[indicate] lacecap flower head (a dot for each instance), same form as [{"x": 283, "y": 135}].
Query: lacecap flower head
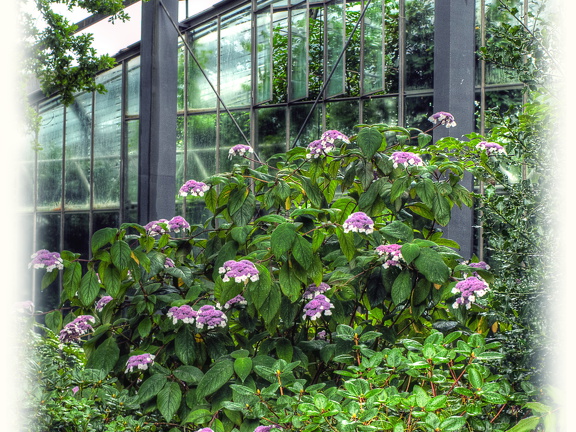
[
  {"x": 239, "y": 150},
  {"x": 313, "y": 290},
  {"x": 319, "y": 148},
  {"x": 241, "y": 271},
  {"x": 210, "y": 317},
  {"x": 76, "y": 328},
  {"x": 153, "y": 228},
  {"x": 265, "y": 428},
  {"x": 393, "y": 254},
  {"x": 178, "y": 223},
  {"x": 491, "y": 148},
  {"x": 358, "y": 222},
  {"x": 238, "y": 300},
  {"x": 183, "y": 313},
  {"x": 103, "y": 302},
  {"x": 332, "y": 135},
  {"x": 141, "y": 361},
  {"x": 46, "y": 259},
  {"x": 469, "y": 288},
  {"x": 406, "y": 159},
  {"x": 317, "y": 306},
  {"x": 444, "y": 118},
  {"x": 194, "y": 188}
]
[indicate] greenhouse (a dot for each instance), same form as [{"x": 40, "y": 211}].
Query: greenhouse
[{"x": 271, "y": 196}]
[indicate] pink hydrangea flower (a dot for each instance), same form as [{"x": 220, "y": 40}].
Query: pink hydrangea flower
[
  {"x": 444, "y": 118},
  {"x": 319, "y": 148},
  {"x": 103, "y": 302},
  {"x": 491, "y": 148},
  {"x": 183, "y": 313},
  {"x": 178, "y": 223},
  {"x": 141, "y": 362},
  {"x": 241, "y": 271},
  {"x": 332, "y": 135},
  {"x": 46, "y": 259},
  {"x": 358, "y": 222},
  {"x": 154, "y": 228},
  {"x": 193, "y": 188},
  {"x": 469, "y": 288},
  {"x": 239, "y": 150},
  {"x": 393, "y": 254},
  {"x": 238, "y": 300},
  {"x": 210, "y": 317},
  {"x": 318, "y": 306},
  {"x": 76, "y": 328},
  {"x": 406, "y": 159},
  {"x": 313, "y": 290}
]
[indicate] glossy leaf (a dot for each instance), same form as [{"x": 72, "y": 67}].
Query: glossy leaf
[
  {"x": 215, "y": 378},
  {"x": 169, "y": 399}
]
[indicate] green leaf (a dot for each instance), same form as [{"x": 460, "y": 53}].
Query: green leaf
[
  {"x": 454, "y": 423},
  {"x": 260, "y": 289},
  {"x": 282, "y": 239},
  {"x": 211, "y": 199},
  {"x": 402, "y": 287},
  {"x": 105, "y": 356},
  {"x": 199, "y": 416},
  {"x": 346, "y": 241},
  {"x": 151, "y": 387},
  {"x": 423, "y": 139},
  {"x": 245, "y": 213},
  {"x": 538, "y": 407},
  {"x": 72, "y": 277},
  {"x": 144, "y": 327},
  {"x": 289, "y": 283},
  {"x": 525, "y": 425},
  {"x": 169, "y": 399},
  {"x": 302, "y": 252},
  {"x": 89, "y": 288},
  {"x": 236, "y": 199},
  {"x": 102, "y": 237},
  {"x": 409, "y": 252},
  {"x": 431, "y": 265},
  {"x": 441, "y": 209},
  {"x": 243, "y": 367},
  {"x": 399, "y": 186},
  {"x": 421, "y": 210},
  {"x": 120, "y": 253},
  {"x": 48, "y": 278},
  {"x": 215, "y": 378},
  {"x": 494, "y": 398},
  {"x": 189, "y": 374},
  {"x": 436, "y": 403},
  {"x": 269, "y": 309},
  {"x": 421, "y": 291},
  {"x": 53, "y": 321},
  {"x": 284, "y": 349},
  {"x": 185, "y": 345},
  {"x": 398, "y": 231},
  {"x": 475, "y": 377},
  {"x": 111, "y": 280},
  {"x": 313, "y": 192},
  {"x": 426, "y": 191},
  {"x": 369, "y": 140}
]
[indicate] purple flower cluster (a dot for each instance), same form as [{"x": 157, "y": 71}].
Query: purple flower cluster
[
  {"x": 444, "y": 118},
  {"x": 103, "y": 302},
  {"x": 194, "y": 188},
  {"x": 480, "y": 265},
  {"x": 314, "y": 309},
  {"x": 393, "y": 254},
  {"x": 44, "y": 258},
  {"x": 406, "y": 159},
  {"x": 469, "y": 288},
  {"x": 241, "y": 271},
  {"x": 321, "y": 335},
  {"x": 359, "y": 222},
  {"x": 205, "y": 430},
  {"x": 176, "y": 224},
  {"x": 139, "y": 362},
  {"x": 76, "y": 328},
  {"x": 210, "y": 317},
  {"x": 238, "y": 300},
  {"x": 265, "y": 428},
  {"x": 239, "y": 150},
  {"x": 25, "y": 307},
  {"x": 325, "y": 144},
  {"x": 183, "y": 313},
  {"x": 313, "y": 290},
  {"x": 491, "y": 148}
]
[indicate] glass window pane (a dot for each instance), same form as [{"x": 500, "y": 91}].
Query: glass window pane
[
  {"x": 391, "y": 46},
  {"x": 27, "y": 178},
  {"x": 271, "y": 132},
  {"x": 131, "y": 194},
  {"x": 280, "y": 57},
  {"x": 336, "y": 39},
  {"x": 311, "y": 131},
  {"x": 235, "y": 58},
  {"x": 264, "y": 57},
  {"x": 204, "y": 44},
  {"x": 298, "y": 53},
  {"x": 201, "y": 149},
  {"x": 419, "y": 44},
  {"x": 181, "y": 70},
  {"x": 381, "y": 110},
  {"x": 78, "y": 150},
  {"x": 50, "y": 138},
  {"x": 107, "y": 140},
  {"x": 342, "y": 116},
  {"x": 373, "y": 50},
  {"x": 105, "y": 220},
  {"x": 77, "y": 233},
  {"x": 133, "y": 87},
  {"x": 418, "y": 109}
]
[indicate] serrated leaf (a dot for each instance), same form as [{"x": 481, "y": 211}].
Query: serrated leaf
[
  {"x": 398, "y": 231},
  {"x": 289, "y": 283},
  {"x": 89, "y": 288},
  {"x": 185, "y": 345},
  {"x": 441, "y": 209},
  {"x": 111, "y": 280},
  {"x": 282, "y": 239},
  {"x": 525, "y": 425},
  {"x": 402, "y": 287},
  {"x": 169, "y": 399},
  {"x": 120, "y": 253},
  {"x": 346, "y": 241},
  {"x": 302, "y": 252},
  {"x": 102, "y": 237},
  {"x": 211, "y": 199},
  {"x": 243, "y": 367},
  {"x": 369, "y": 140},
  {"x": 144, "y": 327},
  {"x": 188, "y": 374},
  {"x": 198, "y": 416},
  {"x": 105, "y": 356},
  {"x": 453, "y": 424},
  {"x": 245, "y": 213},
  {"x": 151, "y": 386},
  {"x": 399, "y": 187},
  {"x": 71, "y": 279},
  {"x": 218, "y": 375},
  {"x": 409, "y": 252},
  {"x": 475, "y": 377},
  {"x": 48, "y": 278},
  {"x": 431, "y": 265},
  {"x": 236, "y": 199},
  {"x": 260, "y": 289},
  {"x": 538, "y": 407},
  {"x": 53, "y": 321}
]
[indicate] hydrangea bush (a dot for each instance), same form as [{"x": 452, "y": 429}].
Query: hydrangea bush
[{"x": 326, "y": 266}]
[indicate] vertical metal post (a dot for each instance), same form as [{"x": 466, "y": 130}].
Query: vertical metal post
[
  {"x": 454, "y": 65},
  {"x": 158, "y": 108}
]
